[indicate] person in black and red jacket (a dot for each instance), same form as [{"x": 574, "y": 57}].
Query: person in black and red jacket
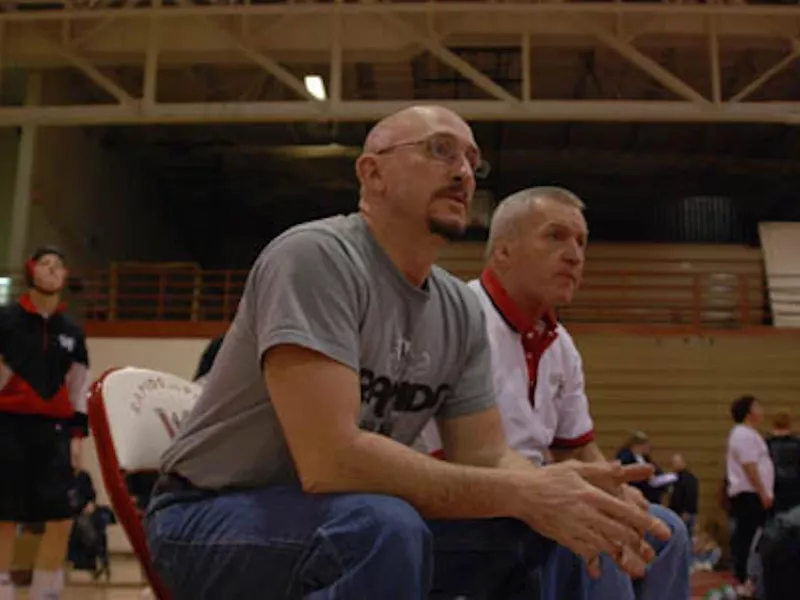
[{"x": 44, "y": 370}]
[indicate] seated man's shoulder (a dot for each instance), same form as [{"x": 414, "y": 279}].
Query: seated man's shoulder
[
  {"x": 327, "y": 233},
  {"x": 457, "y": 292},
  {"x": 332, "y": 234}
]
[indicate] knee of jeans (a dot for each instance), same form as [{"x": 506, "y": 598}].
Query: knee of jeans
[
  {"x": 680, "y": 534},
  {"x": 396, "y": 521}
]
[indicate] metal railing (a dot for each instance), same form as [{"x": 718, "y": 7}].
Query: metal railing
[
  {"x": 184, "y": 292},
  {"x": 700, "y": 300}
]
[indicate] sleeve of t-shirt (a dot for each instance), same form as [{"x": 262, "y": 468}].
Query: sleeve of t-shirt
[
  {"x": 575, "y": 427},
  {"x": 746, "y": 446},
  {"x": 475, "y": 389},
  {"x": 303, "y": 292}
]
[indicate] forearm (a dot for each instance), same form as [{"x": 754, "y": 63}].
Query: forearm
[
  {"x": 77, "y": 381},
  {"x": 513, "y": 460},
  {"x": 587, "y": 453},
  {"x": 438, "y": 489},
  {"x": 752, "y": 474}
]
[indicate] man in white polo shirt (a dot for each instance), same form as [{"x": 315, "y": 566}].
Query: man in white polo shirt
[
  {"x": 751, "y": 478},
  {"x": 535, "y": 263}
]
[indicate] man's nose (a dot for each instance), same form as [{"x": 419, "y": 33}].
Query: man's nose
[
  {"x": 574, "y": 254},
  {"x": 464, "y": 171}
]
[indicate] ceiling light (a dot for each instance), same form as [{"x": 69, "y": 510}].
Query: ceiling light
[{"x": 315, "y": 86}]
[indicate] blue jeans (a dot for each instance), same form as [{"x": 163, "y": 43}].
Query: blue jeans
[
  {"x": 281, "y": 543},
  {"x": 667, "y": 577}
]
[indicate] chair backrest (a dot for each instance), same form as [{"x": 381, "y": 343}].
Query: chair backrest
[{"x": 133, "y": 414}]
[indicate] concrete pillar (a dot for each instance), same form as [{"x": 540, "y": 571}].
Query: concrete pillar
[{"x": 20, "y": 209}]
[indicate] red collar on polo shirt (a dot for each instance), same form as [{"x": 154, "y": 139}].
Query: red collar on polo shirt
[{"x": 536, "y": 338}]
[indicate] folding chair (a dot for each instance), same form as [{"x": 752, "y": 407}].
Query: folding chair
[{"x": 133, "y": 414}]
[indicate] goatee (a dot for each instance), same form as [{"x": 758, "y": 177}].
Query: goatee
[{"x": 449, "y": 231}]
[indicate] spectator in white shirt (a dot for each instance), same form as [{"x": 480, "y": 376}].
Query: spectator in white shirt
[
  {"x": 535, "y": 263},
  {"x": 751, "y": 477}
]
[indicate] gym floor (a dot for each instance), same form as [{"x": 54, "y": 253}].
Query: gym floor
[
  {"x": 96, "y": 593},
  {"x": 126, "y": 583}
]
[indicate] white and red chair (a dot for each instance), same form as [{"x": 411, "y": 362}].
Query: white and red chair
[{"x": 133, "y": 415}]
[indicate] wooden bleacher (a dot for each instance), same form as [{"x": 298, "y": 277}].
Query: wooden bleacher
[{"x": 664, "y": 284}]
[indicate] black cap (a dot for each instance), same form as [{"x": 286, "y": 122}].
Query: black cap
[{"x": 45, "y": 250}]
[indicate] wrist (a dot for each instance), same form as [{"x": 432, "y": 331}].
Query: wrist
[{"x": 517, "y": 493}]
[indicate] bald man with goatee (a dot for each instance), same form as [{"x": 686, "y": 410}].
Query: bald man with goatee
[{"x": 293, "y": 477}]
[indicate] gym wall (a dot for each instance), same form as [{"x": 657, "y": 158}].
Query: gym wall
[{"x": 96, "y": 203}]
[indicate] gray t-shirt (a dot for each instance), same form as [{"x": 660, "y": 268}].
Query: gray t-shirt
[{"x": 328, "y": 286}]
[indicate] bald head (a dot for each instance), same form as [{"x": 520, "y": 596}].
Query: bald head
[
  {"x": 678, "y": 463},
  {"x": 405, "y": 125},
  {"x": 417, "y": 170}
]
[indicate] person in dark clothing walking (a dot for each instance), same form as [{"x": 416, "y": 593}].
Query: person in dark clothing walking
[
  {"x": 685, "y": 493},
  {"x": 784, "y": 449}
]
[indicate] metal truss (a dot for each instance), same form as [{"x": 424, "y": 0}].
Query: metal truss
[{"x": 107, "y": 40}]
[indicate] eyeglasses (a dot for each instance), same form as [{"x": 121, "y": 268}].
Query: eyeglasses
[{"x": 447, "y": 149}]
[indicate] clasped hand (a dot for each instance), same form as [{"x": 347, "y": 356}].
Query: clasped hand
[{"x": 591, "y": 509}]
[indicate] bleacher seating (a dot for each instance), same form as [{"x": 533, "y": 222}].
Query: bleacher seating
[{"x": 664, "y": 284}]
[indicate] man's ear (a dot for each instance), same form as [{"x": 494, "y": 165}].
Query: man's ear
[
  {"x": 368, "y": 171},
  {"x": 501, "y": 253}
]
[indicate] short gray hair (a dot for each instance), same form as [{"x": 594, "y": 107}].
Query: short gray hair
[{"x": 511, "y": 209}]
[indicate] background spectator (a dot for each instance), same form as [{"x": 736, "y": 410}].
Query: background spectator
[
  {"x": 784, "y": 449},
  {"x": 685, "y": 493}
]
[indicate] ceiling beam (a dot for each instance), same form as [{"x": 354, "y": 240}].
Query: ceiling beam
[
  {"x": 485, "y": 10},
  {"x": 452, "y": 60},
  {"x": 308, "y": 33},
  {"x": 679, "y": 87},
  {"x": 541, "y": 158},
  {"x": 269, "y": 65},
  {"x": 107, "y": 84},
  {"x": 372, "y": 31},
  {"x": 355, "y": 111},
  {"x": 759, "y": 81}
]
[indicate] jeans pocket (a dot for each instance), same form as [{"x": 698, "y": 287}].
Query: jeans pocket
[{"x": 322, "y": 565}]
